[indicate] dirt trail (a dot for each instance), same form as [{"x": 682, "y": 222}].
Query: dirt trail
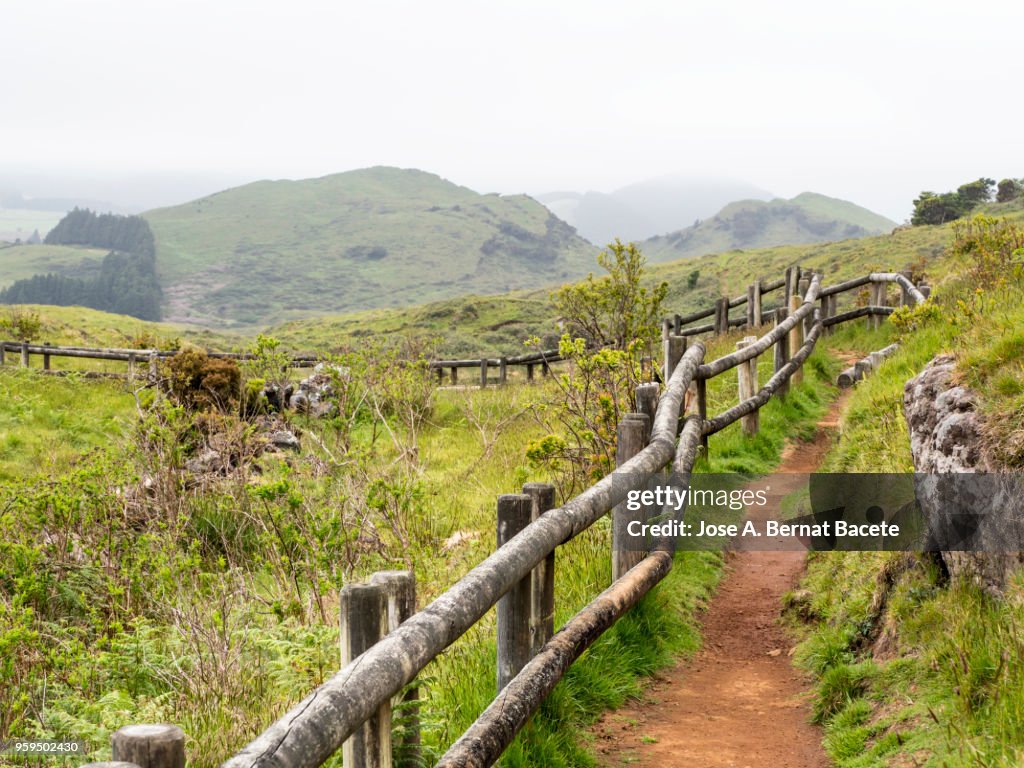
[{"x": 739, "y": 702}]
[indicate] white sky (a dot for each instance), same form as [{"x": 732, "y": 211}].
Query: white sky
[{"x": 872, "y": 101}]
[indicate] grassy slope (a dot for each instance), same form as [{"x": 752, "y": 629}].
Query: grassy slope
[
  {"x": 951, "y": 693},
  {"x": 84, "y": 327},
  {"x": 807, "y": 218},
  {"x": 21, "y": 261},
  {"x": 279, "y": 249}
]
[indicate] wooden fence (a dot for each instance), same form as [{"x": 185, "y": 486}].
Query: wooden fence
[{"x": 386, "y": 644}]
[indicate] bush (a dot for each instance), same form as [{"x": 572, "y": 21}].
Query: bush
[{"x": 198, "y": 382}]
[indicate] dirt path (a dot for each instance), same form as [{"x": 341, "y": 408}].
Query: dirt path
[{"x": 739, "y": 702}]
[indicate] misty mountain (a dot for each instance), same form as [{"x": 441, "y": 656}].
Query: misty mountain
[
  {"x": 806, "y": 218},
  {"x": 647, "y": 208}
]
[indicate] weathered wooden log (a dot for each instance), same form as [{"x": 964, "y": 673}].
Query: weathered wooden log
[
  {"x": 673, "y": 346},
  {"x": 681, "y": 320},
  {"x": 514, "y": 640},
  {"x": 853, "y": 314},
  {"x": 308, "y": 733},
  {"x": 502, "y": 371},
  {"x": 363, "y": 615},
  {"x": 633, "y": 429},
  {"x": 542, "y": 585},
  {"x": 781, "y": 352},
  {"x": 722, "y": 316},
  {"x": 702, "y": 410},
  {"x": 905, "y": 299},
  {"x": 455, "y": 375},
  {"x": 724, "y": 419},
  {"x": 3, "y": 355},
  {"x": 149, "y": 746},
  {"x": 796, "y": 335},
  {"x": 677, "y": 324},
  {"x": 895, "y": 277},
  {"x": 722, "y": 364},
  {"x": 494, "y": 730},
  {"x": 847, "y": 378},
  {"x": 362, "y": 609},
  {"x": 756, "y": 296},
  {"x": 24, "y": 354},
  {"x": 529, "y": 371},
  {"x": 46, "y": 357},
  {"x": 747, "y": 375},
  {"x": 483, "y": 373},
  {"x": 399, "y": 588},
  {"x": 647, "y": 404},
  {"x": 792, "y": 276},
  {"x": 925, "y": 291}
]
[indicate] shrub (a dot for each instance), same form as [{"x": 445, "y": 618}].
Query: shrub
[{"x": 198, "y": 382}]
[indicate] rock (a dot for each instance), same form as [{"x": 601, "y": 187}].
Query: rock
[
  {"x": 206, "y": 462},
  {"x": 974, "y": 514},
  {"x": 285, "y": 439},
  {"x": 315, "y": 392}
]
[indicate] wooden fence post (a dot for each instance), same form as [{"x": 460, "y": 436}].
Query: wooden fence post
[
  {"x": 440, "y": 375},
  {"x": 399, "y": 589},
  {"x": 925, "y": 289},
  {"x": 362, "y": 610},
  {"x": 647, "y": 404},
  {"x": 751, "y": 316},
  {"x": 46, "y": 357},
  {"x": 722, "y": 316},
  {"x": 149, "y": 746},
  {"x": 483, "y": 373},
  {"x": 455, "y": 375},
  {"x": 758, "y": 311},
  {"x": 702, "y": 410},
  {"x": 24, "y": 354},
  {"x": 529, "y": 371},
  {"x": 514, "y": 511},
  {"x": 502, "y": 371},
  {"x": 632, "y": 428},
  {"x": 542, "y": 602},
  {"x": 792, "y": 276},
  {"x": 677, "y": 325},
  {"x": 154, "y": 367},
  {"x": 3, "y": 355},
  {"x": 747, "y": 374},
  {"x": 795, "y": 339},
  {"x": 675, "y": 346},
  {"x": 781, "y": 351}
]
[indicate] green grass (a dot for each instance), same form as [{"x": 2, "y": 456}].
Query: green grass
[
  {"x": 47, "y": 423},
  {"x": 18, "y": 262},
  {"x": 947, "y": 691}
]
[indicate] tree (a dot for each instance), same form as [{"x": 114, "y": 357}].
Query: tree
[
  {"x": 1009, "y": 189},
  {"x": 930, "y": 208},
  {"x": 975, "y": 193},
  {"x": 614, "y": 311}
]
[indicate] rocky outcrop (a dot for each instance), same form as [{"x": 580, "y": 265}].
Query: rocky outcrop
[
  {"x": 974, "y": 514},
  {"x": 315, "y": 392}
]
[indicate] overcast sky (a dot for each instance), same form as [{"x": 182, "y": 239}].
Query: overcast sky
[{"x": 869, "y": 100}]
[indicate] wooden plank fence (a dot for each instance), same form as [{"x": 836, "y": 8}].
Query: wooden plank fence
[{"x": 385, "y": 649}]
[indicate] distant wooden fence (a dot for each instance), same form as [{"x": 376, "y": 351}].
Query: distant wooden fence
[
  {"x": 134, "y": 357},
  {"x": 530, "y": 361},
  {"x": 386, "y": 643}
]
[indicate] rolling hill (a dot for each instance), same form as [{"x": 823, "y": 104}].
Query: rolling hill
[
  {"x": 806, "y": 218},
  {"x": 377, "y": 237}
]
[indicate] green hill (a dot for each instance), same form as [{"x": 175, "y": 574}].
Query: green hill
[
  {"x": 807, "y": 218},
  {"x": 18, "y": 262},
  {"x": 377, "y": 237}
]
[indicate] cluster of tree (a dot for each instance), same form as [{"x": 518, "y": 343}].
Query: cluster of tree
[
  {"x": 127, "y": 282},
  {"x": 128, "y": 234},
  {"x": 933, "y": 208},
  {"x": 126, "y": 285}
]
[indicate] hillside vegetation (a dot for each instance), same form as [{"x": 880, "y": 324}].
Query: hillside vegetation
[
  {"x": 807, "y": 218},
  {"x": 377, "y": 237}
]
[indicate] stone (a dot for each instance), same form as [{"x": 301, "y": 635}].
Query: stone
[
  {"x": 974, "y": 513},
  {"x": 285, "y": 439}
]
